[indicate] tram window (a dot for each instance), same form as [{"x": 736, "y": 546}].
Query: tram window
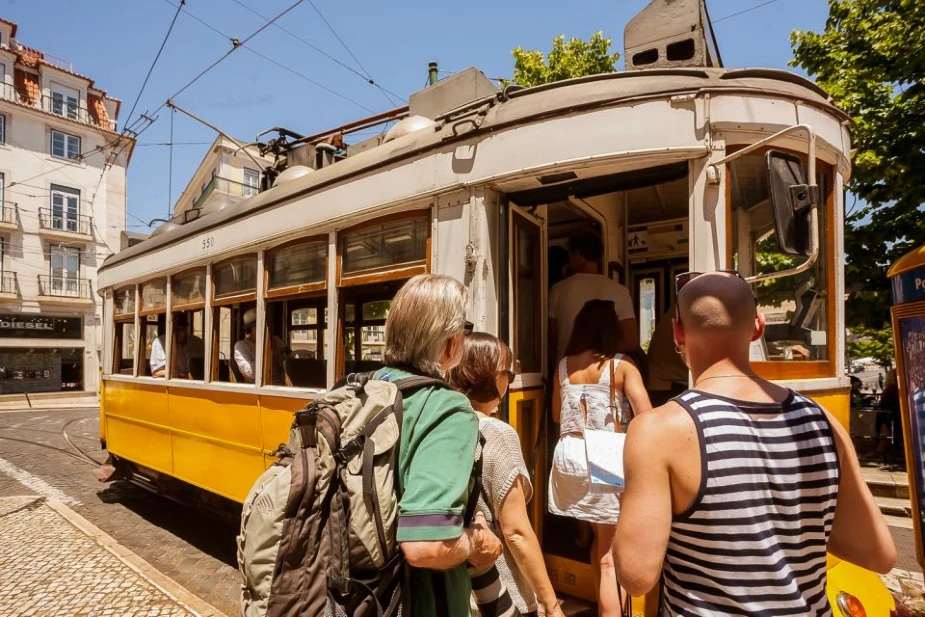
[
  {"x": 795, "y": 308},
  {"x": 235, "y": 276},
  {"x": 231, "y": 334},
  {"x": 154, "y": 296},
  {"x": 124, "y": 347},
  {"x": 123, "y": 301},
  {"x": 365, "y": 352},
  {"x": 152, "y": 327},
  {"x": 394, "y": 243},
  {"x": 189, "y": 288},
  {"x": 302, "y": 264},
  {"x": 188, "y": 350},
  {"x": 527, "y": 296},
  {"x": 294, "y": 351}
]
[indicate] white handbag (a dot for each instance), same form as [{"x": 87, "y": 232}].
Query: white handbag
[{"x": 604, "y": 449}]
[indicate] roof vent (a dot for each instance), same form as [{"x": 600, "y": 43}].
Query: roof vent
[
  {"x": 411, "y": 124},
  {"x": 219, "y": 203},
  {"x": 448, "y": 94},
  {"x": 164, "y": 228},
  {"x": 671, "y": 33},
  {"x": 292, "y": 173}
]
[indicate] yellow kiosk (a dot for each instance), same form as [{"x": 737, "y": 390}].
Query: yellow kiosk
[{"x": 908, "y": 278}]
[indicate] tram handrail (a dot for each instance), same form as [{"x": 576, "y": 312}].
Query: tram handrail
[{"x": 814, "y": 208}]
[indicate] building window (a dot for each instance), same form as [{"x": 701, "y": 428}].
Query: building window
[
  {"x": 251, "y": 182},
  {"x": 2, "y": 129},
  {"x": 65, "y": 146},
  {"x": 65, "y": 270},
  {"x": 65, "y": 104},
  {"x": 65, "y": 208}
]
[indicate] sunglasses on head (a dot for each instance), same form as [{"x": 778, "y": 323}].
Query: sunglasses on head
[{"x": 686, "y": 277}]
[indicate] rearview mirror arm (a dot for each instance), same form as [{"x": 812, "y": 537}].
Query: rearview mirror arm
[{"x": 713, "y": 176}]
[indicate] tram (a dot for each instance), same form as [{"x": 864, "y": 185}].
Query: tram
[{"x": 677, "y": 163}]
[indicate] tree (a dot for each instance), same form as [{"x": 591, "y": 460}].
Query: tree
[
  {"x": 870, "y": 60},
  {"x": 876, "y": 344},
  {"x": 566, "y": 60}
]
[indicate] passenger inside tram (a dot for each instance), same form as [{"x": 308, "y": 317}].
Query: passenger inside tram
[
  {"x": 186, "y": 356},
  {"x": 245, "y": 350}
]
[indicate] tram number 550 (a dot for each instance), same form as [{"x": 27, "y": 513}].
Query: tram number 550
[{"x": 208, "y": 243}]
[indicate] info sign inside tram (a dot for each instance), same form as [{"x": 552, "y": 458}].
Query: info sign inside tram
[{"x": 908, "y": 278}]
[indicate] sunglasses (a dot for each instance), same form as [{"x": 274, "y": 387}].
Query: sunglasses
[
  {"x": 686, "y": 277},
  {"x": 508, "y": 373},
  {"x": 468, "y": 327}
]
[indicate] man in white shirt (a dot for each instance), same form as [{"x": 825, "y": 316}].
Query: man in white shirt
[
  {"x": 185, "y": 347},
  {"x": 567, "y": 297},
  {"x": 245, "y": 350}
]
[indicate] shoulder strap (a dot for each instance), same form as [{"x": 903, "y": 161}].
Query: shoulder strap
[
  {"x": 477, "y": 487},
  {"x": 418, "y": 381}
]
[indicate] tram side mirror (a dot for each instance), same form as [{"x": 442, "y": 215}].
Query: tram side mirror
[{"x": 792, "y": 199}]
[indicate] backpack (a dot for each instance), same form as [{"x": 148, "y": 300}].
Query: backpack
[{"x": 318, "y": 526}]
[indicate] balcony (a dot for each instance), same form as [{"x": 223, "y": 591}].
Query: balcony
[
  {"x": 56, "y": 225},
  {"x": 9, "y": 290},
  {"x": 226, "y": 187},
  {"x": 55, "y": 106},
  {"x": 64, "y": 289},
  {"x": 8, "y": 216}
]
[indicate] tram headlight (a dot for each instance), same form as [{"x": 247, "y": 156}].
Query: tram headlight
[{"x": 849, "y": 605}]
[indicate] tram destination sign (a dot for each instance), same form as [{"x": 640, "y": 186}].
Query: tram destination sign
[{"x": 35, "y": 326}]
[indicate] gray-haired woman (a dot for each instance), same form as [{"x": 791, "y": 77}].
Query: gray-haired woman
[{"x": 424, "y": 335}]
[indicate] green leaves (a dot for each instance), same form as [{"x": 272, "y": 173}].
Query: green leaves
[
  {"x": 871, "y": 60},
  {"x": 566, "y": 60},
  {"x": 871, "y": 343}
]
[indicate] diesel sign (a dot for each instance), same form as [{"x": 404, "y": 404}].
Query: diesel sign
[{"x": 27, "y": 326}]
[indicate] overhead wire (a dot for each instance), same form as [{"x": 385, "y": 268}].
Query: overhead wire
[
  {"x": 742, "y": 12},
  {"x": 153, "y": 64},
  {"x": 266, "y": 58}
]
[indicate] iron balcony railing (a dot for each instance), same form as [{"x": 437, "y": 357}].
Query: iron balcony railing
[
  {"x": 8, "y": 212},
  {"x": 64, "y": 221},
  {"x": 56, "y": 105},
  {"x": 224, "y": 185},
  {"x": 8, "y": 282},
  {"x": 64, "y": 286}
]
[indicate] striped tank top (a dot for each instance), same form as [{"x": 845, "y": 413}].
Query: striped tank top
[{"x": 754, "y": 540}]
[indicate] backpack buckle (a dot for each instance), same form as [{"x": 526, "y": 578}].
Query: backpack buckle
[{"x": 353, "y": 447}]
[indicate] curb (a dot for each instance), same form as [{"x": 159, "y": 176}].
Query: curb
[{"x": 164, "y": 584}]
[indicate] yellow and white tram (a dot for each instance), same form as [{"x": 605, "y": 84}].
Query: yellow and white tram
[{"x": 669, "y": 165}]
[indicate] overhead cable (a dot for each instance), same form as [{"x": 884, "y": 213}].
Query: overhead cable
[{"x": 153, "y": 64}]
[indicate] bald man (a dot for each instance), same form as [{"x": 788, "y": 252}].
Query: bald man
[{"x": 736, "y": 488}]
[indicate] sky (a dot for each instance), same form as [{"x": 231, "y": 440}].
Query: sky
[{"x": 115, "y": 41}]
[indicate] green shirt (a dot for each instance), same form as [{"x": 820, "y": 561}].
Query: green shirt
[{"x": 438, "y": 439}]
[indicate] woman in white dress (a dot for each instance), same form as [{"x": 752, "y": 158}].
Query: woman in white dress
[{"x": 599, "y": 388}]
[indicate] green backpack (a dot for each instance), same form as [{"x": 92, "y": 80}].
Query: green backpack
[{"x": 318, "y": 527}]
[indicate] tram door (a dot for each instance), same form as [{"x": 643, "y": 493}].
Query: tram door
[{"x": 652, "y": 287}]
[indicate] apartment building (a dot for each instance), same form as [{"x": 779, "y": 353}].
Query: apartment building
[{"x": 62, "y": 211}]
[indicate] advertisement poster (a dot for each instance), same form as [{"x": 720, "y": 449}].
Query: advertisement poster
[{"x": 912, "y": 337}]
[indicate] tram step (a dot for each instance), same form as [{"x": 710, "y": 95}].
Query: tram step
[
  {"x": 894, "y": 506},
  {"x": 883, "y": 484}
]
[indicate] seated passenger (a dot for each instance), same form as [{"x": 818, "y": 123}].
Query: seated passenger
[
  {"x": 245, "y": 350},
  {"x": 186, "y": 346},
  {"x": 484, "y": 375}
]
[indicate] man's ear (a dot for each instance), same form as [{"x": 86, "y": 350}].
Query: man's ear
[{"x": 759, "y": 327}]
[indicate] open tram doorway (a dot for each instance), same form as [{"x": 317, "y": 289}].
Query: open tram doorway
[{"x": 642, "y": 220}]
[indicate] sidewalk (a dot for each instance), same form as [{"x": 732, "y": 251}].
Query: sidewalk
[{"x": 54, "y": 563}]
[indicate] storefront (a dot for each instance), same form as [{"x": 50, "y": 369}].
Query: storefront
[{"x": 30, "y": 359}]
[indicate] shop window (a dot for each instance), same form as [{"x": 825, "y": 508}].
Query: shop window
[
  {"x": 236, "y": 276},
  {"x": 40, "y": 369},
  {"x": 401, "y": 242},
  {"x": 794, "y": 307},
  {"x": 527, "y": 299}
]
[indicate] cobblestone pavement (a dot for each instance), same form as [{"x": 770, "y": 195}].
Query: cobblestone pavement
[
  {"x": 50, "y": 567},
  {"x": 185, "y": 544}
]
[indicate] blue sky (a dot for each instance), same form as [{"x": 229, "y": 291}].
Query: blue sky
[{"x": 114, "y": 42}]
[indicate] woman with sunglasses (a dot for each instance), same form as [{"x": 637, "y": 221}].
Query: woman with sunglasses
[
  {"x": 484, "y": 375},
  {"x": 597, "y": 388}
]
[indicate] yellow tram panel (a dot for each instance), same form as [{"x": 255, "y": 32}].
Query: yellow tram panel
[{"x": 137, "y": 424}]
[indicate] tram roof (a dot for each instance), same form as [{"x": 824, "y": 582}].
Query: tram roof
[{"x": 509, "y": 107}]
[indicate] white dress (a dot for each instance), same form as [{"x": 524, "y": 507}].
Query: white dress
[{"x": 568, "y": 483}]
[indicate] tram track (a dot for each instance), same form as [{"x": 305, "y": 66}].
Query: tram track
[{"x": 77, "y": 453}]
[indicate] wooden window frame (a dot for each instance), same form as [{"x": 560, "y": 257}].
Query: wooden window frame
[
  {"x": 189, "y": 306},
  {"x": 291, "y": 291},
  {"x": 142, "y": 312},
  {"x": 801, "y": 369},
  {"x": 235, "y": 297},
  {"x": 385, "y": 273},
  {"x": 515, "y": 288},
  {"x": 303, "y": 300}
]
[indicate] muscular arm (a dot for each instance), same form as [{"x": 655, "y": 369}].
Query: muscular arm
[
  {"x": 523, "y": 544},
  {"x": 859, "y": 533},
  {"x": 646, "y": 507}
]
